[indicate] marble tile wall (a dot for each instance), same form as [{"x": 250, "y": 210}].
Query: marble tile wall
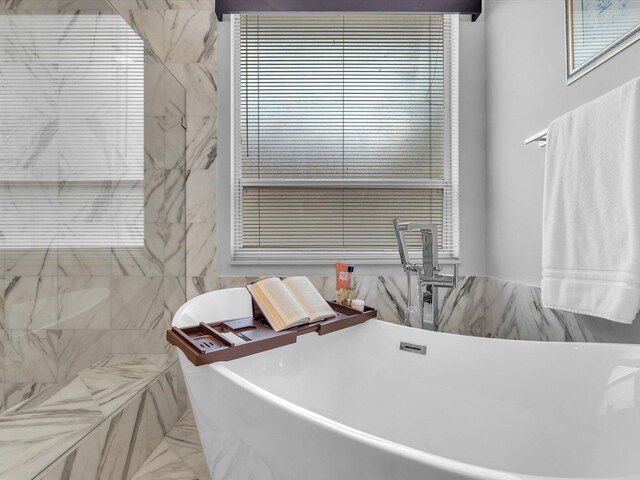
[
  {"x": 184, "y": 34},
  {"x": 101, "y": 425},
  {"x": 489, "y": 307},
  {"x": 513, "y": 310},
  {"x": 179, "y": 455},
  {"x": 63, "y": 310}
]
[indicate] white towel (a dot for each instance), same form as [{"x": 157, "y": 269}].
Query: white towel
[{"x": 591, "y": 213}]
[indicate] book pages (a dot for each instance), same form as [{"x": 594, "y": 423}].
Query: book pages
[
  {"x": 280, "y": 307},
  {"x": 315, "y": 306}
]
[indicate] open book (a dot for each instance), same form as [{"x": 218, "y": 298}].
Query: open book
[{"x": 290, "y": 302}]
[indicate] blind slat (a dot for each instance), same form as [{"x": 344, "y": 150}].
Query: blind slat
[{"x": 350, "y": 98}]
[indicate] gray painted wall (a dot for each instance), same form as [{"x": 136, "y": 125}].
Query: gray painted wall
[
  {"x": 472, "y": 147},
  {"x": 526, "y": 89}
]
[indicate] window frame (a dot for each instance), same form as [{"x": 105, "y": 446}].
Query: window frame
[{"x": 302, "y": 260}]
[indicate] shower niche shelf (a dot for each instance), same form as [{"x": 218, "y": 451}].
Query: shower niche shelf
[{"x": 222, "y": 341}]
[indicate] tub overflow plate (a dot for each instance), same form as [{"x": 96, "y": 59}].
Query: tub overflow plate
[{"x": 413, "y": 348}]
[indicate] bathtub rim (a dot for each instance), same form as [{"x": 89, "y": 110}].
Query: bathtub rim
[{"x": 182, "y": 314}]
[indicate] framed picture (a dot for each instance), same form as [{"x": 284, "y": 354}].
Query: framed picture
[{"x": 596, "y": 30}]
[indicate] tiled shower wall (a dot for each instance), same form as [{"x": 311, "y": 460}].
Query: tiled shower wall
[
  {"x": 62, "y": 311},
  {"x": 183, "y": 33}
]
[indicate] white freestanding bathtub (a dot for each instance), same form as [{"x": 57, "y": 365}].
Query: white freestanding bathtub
[{"x": 352, "y": 405}]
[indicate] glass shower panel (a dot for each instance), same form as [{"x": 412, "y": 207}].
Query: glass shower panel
[
  {"x": 72, "y": 97},
  {"x": 92, "y": 194}
]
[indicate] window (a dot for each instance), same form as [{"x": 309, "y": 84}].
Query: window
[
  {"x": 71, "y": 132},
  {"x": 341, "y": 123}
]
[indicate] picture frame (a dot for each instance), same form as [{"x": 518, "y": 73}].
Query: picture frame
[{"x": 597, "y": 30}]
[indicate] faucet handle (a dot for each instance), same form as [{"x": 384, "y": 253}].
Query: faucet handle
[{"x": 429, "y": 249}]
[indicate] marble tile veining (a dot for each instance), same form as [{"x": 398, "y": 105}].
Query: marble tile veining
[
  {"x": 125, "y": 447},
  {"x": 161, "y": 407},
  {"x": 175, "y": 143},
  {"x": 141, "y": 261},
  {"x": 29, "y": 5},
  {"x": 163, "y": 4},
  {"x": 84, "y": 262},
  {"x": 83, "y": 303},
  {"x": 83, "y": 462},
  {"x": 202, "y": 145},
  {"x": 30, "y": 356},
  {"x": 140, "y": 341},
  {"x": 174, "y": 295},
  {"x": 42, "y": 262},
  {"x": 190, "y": 36},
  {"x": 175, "y": 249},
  {"x": 136, "y": 302},
  {"x": 153, "y": 195},
  {"x": 30, "y": 303},
  {"x": 79, "y": 348},
  {"x": 148, "y": 23},
  {"x": 462, "y": 310},
  {"x": 201, "y": 249},
  {"x": 392, "y": 299},
  {"x": 164, "y": 464},
  {"x": 200, "y": 80},
  {"x": 184, "y": 440},
  {"x": 84, "y": 5},
  {"x": 201, "y": 196},
  {"x": 199, "y": 285},
  {"x": 4, "y": 282},
  {"x": 30, "y": 441},
  {"x": 102, "y": 424},
  {"x": 514, "y": 311},
  {"x": 154, "y": 133},
  {"x": 21, "y": 393},
  {"x": 174, "y": 196},
  {"x": 155, "y": 86},
  {"x": 114, "y": 381}
]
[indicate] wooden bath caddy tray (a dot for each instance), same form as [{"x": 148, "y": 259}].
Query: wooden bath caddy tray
[{"x": 206, "y": 343}]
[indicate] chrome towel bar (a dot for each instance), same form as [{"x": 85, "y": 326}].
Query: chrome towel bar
[{"x": 540, "y": 137}]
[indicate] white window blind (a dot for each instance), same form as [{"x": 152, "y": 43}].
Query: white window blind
[
  {"x": 341, "y": 123},
  {"x": 71, "y": 132}
]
